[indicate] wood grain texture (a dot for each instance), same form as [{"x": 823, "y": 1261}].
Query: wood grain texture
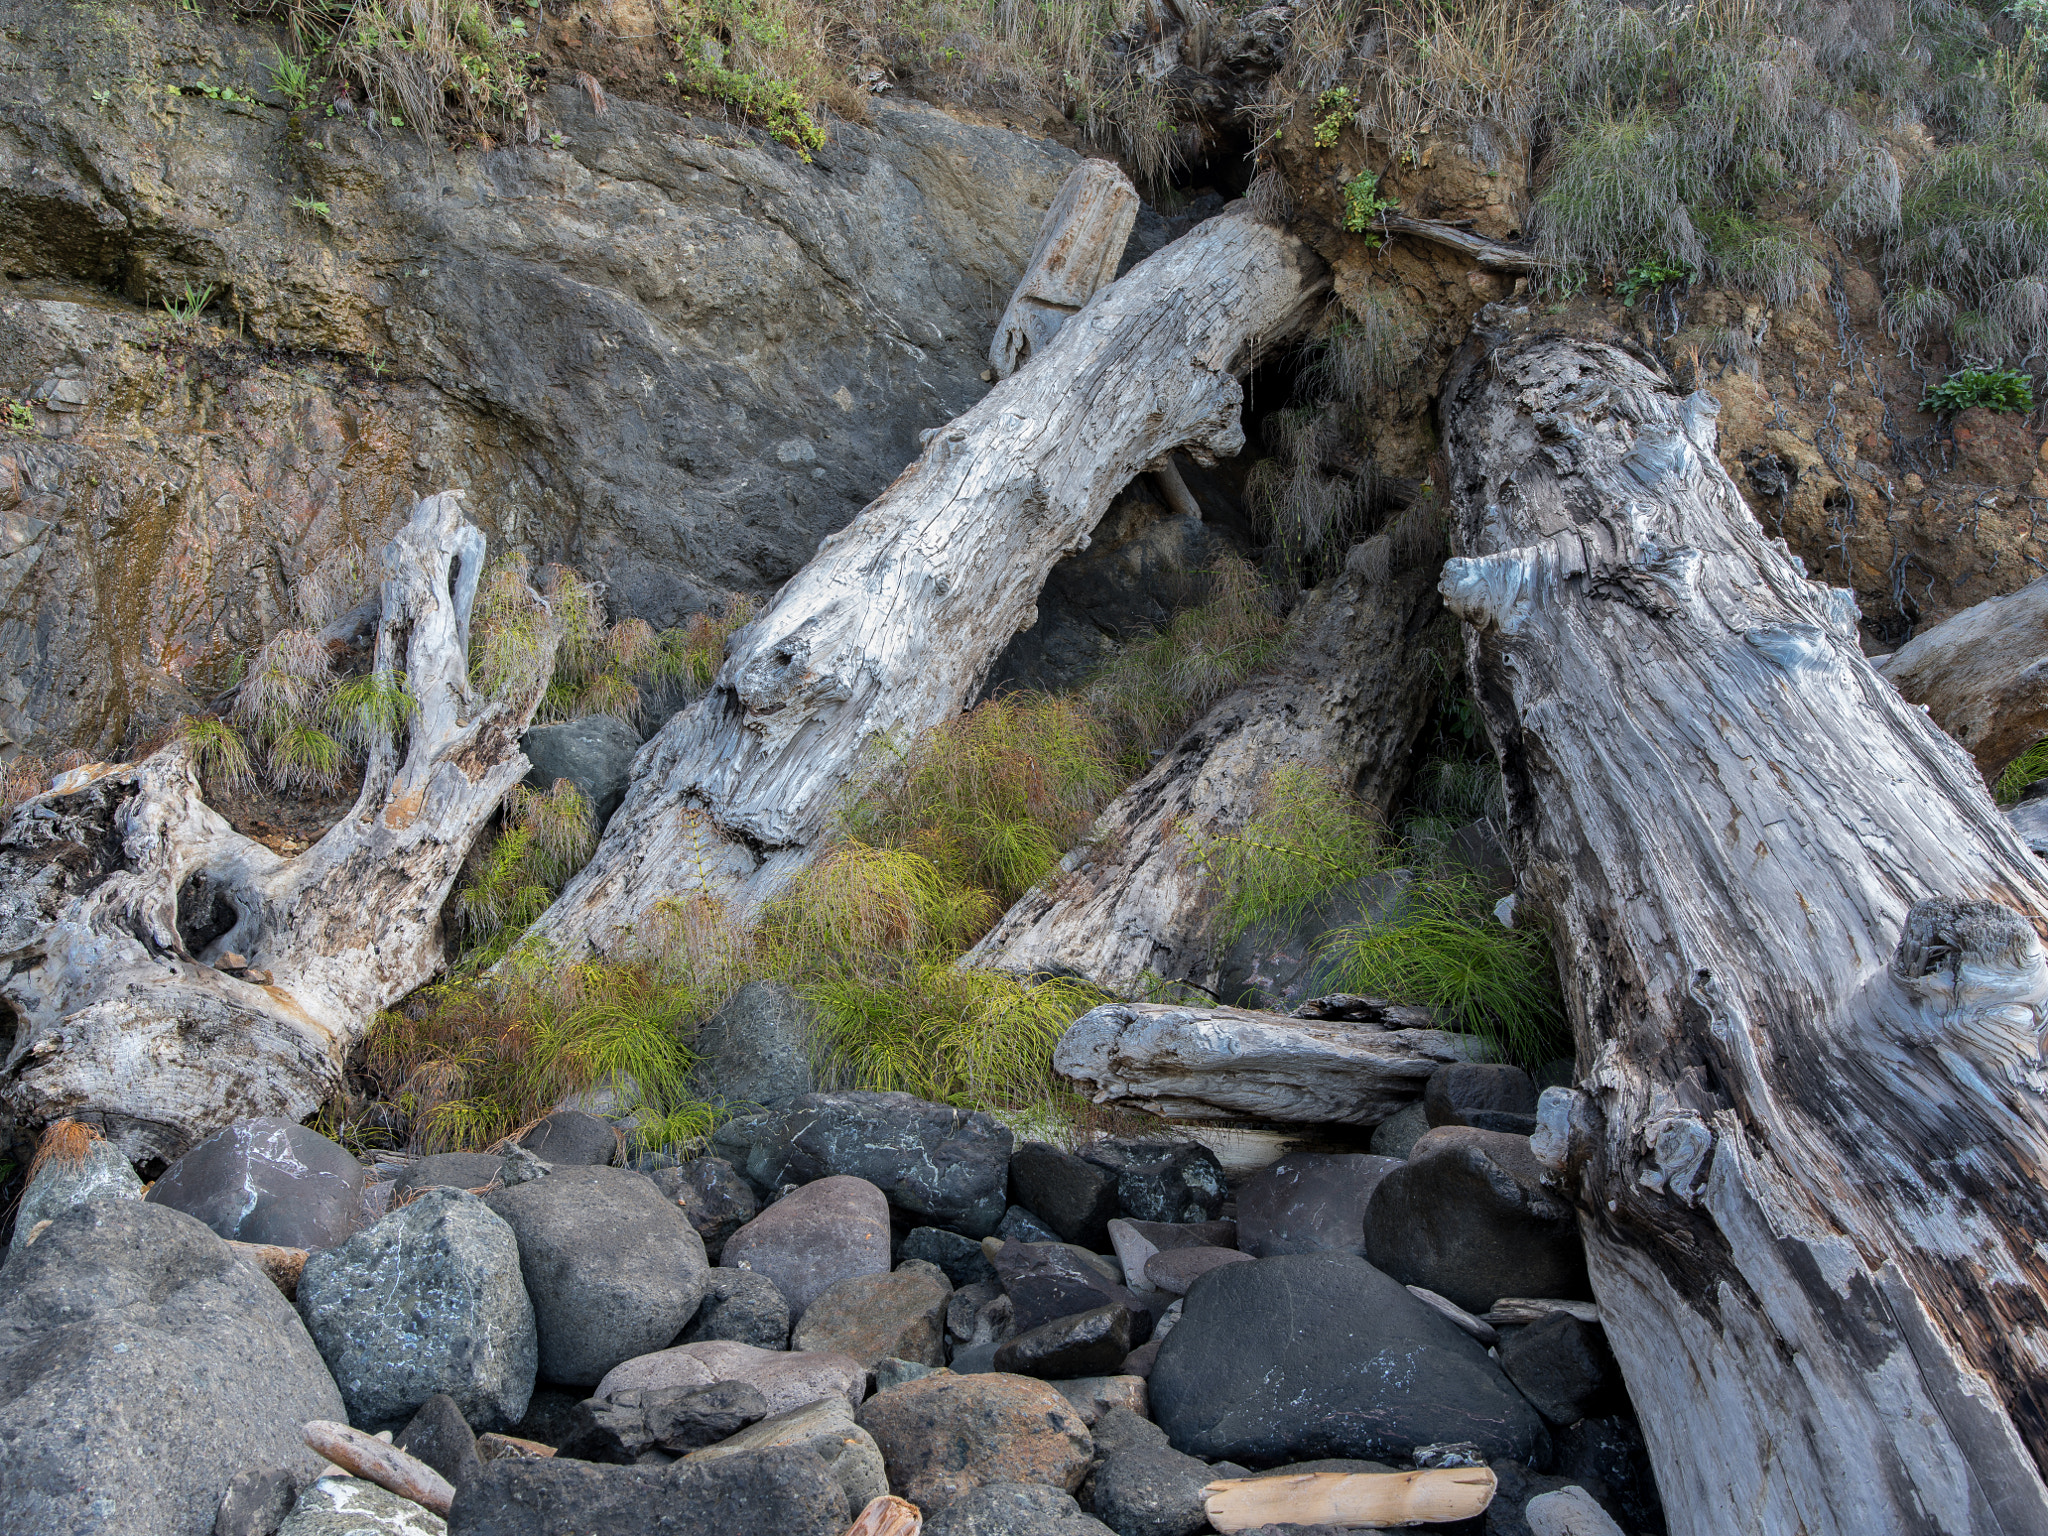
[
  {"x": 1983, "y": 675},
  {"x": 1427, "y": 1497},
  {"x": 893, "y": 625},
  {"x": 1799, "y": 949},
  {"x": 1131, "y": 907},
  {"x": 123, "y": 1025},
  {"x": 376, "y": 1461},
  {"x": 1079, "y": 245}
]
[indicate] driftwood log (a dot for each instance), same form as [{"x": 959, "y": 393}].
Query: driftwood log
[
  {"x": 1799, "y": 950},
  {"x": 1983, "y": 675},
  {"x": 892, "y": 626},
  {"x": 1373, "y": 1499},
  {"x": 1079, "y": 246},
  {"x": 118, "y": 897},
  {"x": 1236, "y": 1063},
  {"x": 1132, "y": 906},
  {"x": 380, "y": 1462}
]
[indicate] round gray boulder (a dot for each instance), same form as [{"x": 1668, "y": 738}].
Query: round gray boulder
[
  {"x": 813, "y": 1238},
  {"x": 142, "y": 1366},
  {"x": 268, "y": 1181},
  {"x": 613, "y": 1269},
  {"x": 428, "y": 1300},
  {"x": 101, "y": 1174}
]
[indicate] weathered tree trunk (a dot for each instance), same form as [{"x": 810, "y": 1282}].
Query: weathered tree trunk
[
  {"x": 1132, "y": 906},
  {"x": 118, "y": 1014},
  {"x": 1983, "y": 675},
  {"x": 890, "y": 629},
  {"x": 1079, "y": 245},
  {"x": 1799, "y": 950}
]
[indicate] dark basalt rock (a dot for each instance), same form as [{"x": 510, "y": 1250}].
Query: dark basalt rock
[
  {"x": 1165, "y": 1181},
  {"x": 781, "y": 1491},
  {"x": 1091, "y": 1343},
  {"x": 1074, "y": 1198},
  {"x": 267, "y": 1181},
  {"x": 1309, "y": 1203}
]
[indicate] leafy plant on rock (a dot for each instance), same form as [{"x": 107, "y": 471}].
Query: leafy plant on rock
[{"x": 1993, "y": 389}]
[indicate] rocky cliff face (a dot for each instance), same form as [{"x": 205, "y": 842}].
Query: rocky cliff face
[{"x": 662, "y": 349}]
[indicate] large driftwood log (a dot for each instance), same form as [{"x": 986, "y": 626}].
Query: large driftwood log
[
  {"x": 107, "y": 892},
  {"x": 1799, "y": 950},
  {"x": 1235, "y": 1063},
  {"x": 1079, "y": 246},
  {"x": 1132, "y": 906},
  {"x": 1983, "y": 675},
  {"x": 890, "y": 629}
]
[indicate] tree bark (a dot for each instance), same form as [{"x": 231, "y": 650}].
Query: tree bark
[
  {"x": 1983, "y": 675},
  {"x": 118, "y": 1013},
  {"x": 890, "y": 629},
  {"x": 1079, "y": 245},
  {"x": 1798, "y": 945},
  {"x": 1131, "y": 907}
]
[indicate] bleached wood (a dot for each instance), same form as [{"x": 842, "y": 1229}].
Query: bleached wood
[
  {"x": 1808, "y": 1152},
  {"x": 888, "y": 1516},
  {"x": 377, "y": 1461},
  {"x": 1426, "y": 1497},
  {"x": 1079, "y": 245},
  {"x": 120, "y": 1025},
  {"x": 1983, "y": 675},
  {"x": 1489, "y": 255},
  {"x": 1227, "y": 1063},
  {"x": 1133, "y": 906},
  {"x": 894, "y": 624}
]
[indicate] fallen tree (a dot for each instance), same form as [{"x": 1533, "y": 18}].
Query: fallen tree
[
  {"x": 892, "y": 626},
  {"x": 1799, "y": 948},
  {"x": 1983, "y": 675},
  {"x": 165, "y": 975},
  {"x": 1133, "y": 904}
]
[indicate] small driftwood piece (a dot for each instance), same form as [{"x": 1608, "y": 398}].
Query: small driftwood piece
[
  {"x": 1427, "y": 1497},
  {"x": 281, "y": 1266},
  {"x": 1490, "y": 255},
  {"x": 1515, "y": 1311},
  {"x": 1224, "y": 1063},
  {"x": 1801, "y": 953},
  {"x": 113, "y": 896},
  {"x": 888, "y": 1516},
  {"x": 891, "y": 628},
  {"x": 1983, "y": 675},
  {"x": 1079, "y": 245},
  {"x": 493, "y": 1446},
  {"x": 1133, "y": 904},
  {"x": 375, "y": 1461}
]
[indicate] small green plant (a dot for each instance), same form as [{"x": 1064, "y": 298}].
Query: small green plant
[
  {"x": 318, "y": 209},
  {"x": 219, "y": 753},
  {"x": 1307, "y": 841},
  {"x": 557, "y": 141},
  {"x": 186, "y": 309},
  {"x": 304, "y": 757},
  {"x": 1333, "y": 109},
  {"x": 1994, "y": 389},
  {"x": 1363, "y": 202},
  {"x": 1651, "y": 274},
  {"x": 547, "y": 837},
  {"x": 103, "y": 98},
  {"x": 292, "y": 79},
  {"x": 2023, "y": 770},
  {"x": 20, "y": 417},
  {"x": 372, "y": 708}
]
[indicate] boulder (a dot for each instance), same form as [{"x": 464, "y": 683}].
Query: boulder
[
  {"x": 457, "y": 1170},
  {"x": 348, "y": 1506},
  {"x": 99, "y": 1173},
  {"x": 1165, "y": 1181},
  {"x": 1467, "y": 1216},
  {"x": 428, "y": 1300},
  {"x": 1320, "y": 1354},
  {"x": 671, "y": 1419},
  {"x": 1176, "y": 1269},
  {"x": 739, "y": 1307},
  {"x": 1119, "y": 1428},
  {"x": 594, "y": 753},
  {"x": 827, "y": 1428},
  {"x": 440, "y": 1436},
  {"x": 1020, "y": 1226},
  {"x": 1091, "y": 1343},
  {"x": 945, "y": 1435},
  {"x": 571, "y": 1138},
  {"x": 1014, "y": 1509},
  {"x": 960, "y": 1257},
  {"x": 1049, "y": 1280},
  {"x": 713, "y": 1195},
  {"x": 1309, "y": 1203},
  {"x": 1210, "y": 1063},
  {"x": 757, "y": 1049},
  {"x": 980, "y": 1314},
  {"x": 267, "y": 1181},
  {"x": 1568, "y": 1512},
  {"x": 937, "y": 1166},
  {"x": 1149, "y": 1491},
  {"x": 1076, "y": 1199},
  {"x": 873, "y": 1317},
  {"x": 1396, "y": 1135},
  {"x": 892, "y": 1372},
  {"x": 1094, "y": 1396},
  {"x": 614, "y": 1429},
  {"x": 143, "y": 1366},
  {"x": 256, "y": 1502},
  {"x": 781, "y": 1491},
  {"x": 1488, "y": 1096},
  {"x": 787, "y": 1379},
  {"x": 1136, "y": 1241},
  {"x": 613, "y": 1269},
  {"x": 1562, "y": 1365},
  {"x": 814, "y": 1237}
]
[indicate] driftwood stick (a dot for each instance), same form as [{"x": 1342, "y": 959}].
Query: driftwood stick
[
  {"x": 888, "y": 1516},
  {"x": 387, "y": 1466},
  {"x": 1491, "y": 255},
  {"x": 1427, "y": 1497}
]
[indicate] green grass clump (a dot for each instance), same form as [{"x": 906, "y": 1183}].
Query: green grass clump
[
  {"x": 218, "y": 753},
  {"x": 547, "y": 835},
  {"x": 2023, "y": 770},
  {"x": 1307, "y": 841}
]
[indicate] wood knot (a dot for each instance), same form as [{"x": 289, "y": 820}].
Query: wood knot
[{"x": 1974, "y": 975}]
